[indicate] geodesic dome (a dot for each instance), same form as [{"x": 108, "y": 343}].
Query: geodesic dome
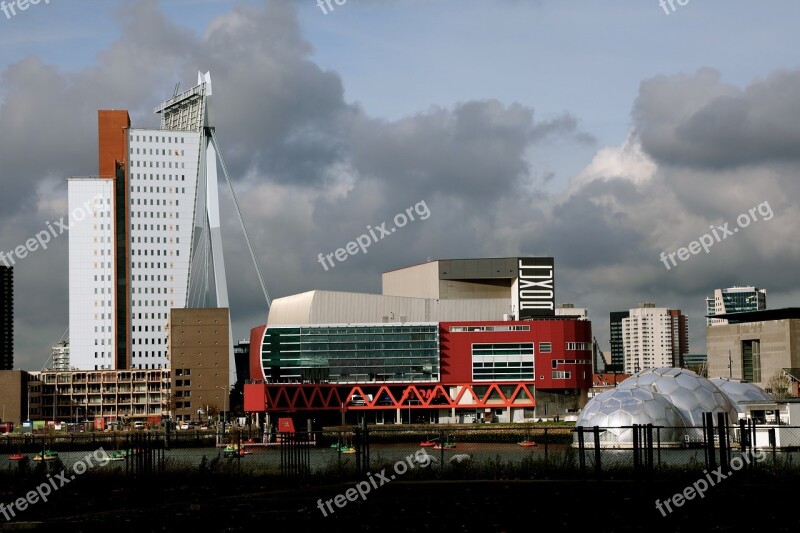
[
  {"x": 691, "y": 394},
  {"x": 616, "y": 408},
  {"x": 739, "y": 391}
]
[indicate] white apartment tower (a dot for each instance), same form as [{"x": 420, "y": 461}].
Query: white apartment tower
[
  {"x": 156, "y": 245},
  {"x": 654, "y": 337}
]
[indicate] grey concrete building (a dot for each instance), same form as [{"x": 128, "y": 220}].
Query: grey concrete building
[{"x": 755, "y": 345}]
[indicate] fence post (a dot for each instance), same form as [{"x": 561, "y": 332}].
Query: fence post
[
  {"x": 339, "y": 451},
  {"x": 545, "y": 446},
  {"x": 658, "y": 444},
  {"x": 722, "y": 430},
  {"x": 597, "y": 469},
  {"x": 711, "y": 457},
  {"x": 773, "y": 441},
  {"x": 581, "y": 450},
  {"x": 239, "y": 450},
  {"x": 357, "y": 442},
  {"x": 366, "y": 445},
  {"x": 442, "y": 442}
]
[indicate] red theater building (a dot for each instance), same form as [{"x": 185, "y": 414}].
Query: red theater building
[{"x": 449, "y": 341}]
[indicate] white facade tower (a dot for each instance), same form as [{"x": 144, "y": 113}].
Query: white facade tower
[{"x": 160, "y": 246}]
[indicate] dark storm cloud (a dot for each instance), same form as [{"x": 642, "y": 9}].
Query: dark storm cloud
[
  {"x": 699, "y": 121},
  {"x": 312, "y": 171},
  {"x": 281, "y": 114},
  {"x": 587, "y": 234},
  {"x": 474, "y": 151}
]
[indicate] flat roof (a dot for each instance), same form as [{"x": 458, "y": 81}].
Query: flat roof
[
  {"x": 764, "y": 315},
  {"x": 769, "y": 402},
  {"x": 439, "y": 260}
]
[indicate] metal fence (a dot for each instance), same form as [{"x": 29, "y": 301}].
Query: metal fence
[{"x": 484, "y": 451}]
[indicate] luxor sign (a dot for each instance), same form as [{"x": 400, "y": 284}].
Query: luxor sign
[{"x": 536, "y": 287}]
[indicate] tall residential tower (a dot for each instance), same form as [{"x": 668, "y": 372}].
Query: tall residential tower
[
  {"x": 148, "y": 238},
  {"x": 654, "y": 337},
  {"x": 6, "y": 318}
]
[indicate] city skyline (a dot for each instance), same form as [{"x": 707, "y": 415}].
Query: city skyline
[{"x": 602, "y": 159}]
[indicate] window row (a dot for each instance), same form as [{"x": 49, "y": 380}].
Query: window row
[
  {"x": 158, "y": 190},
  {"x": 573, "y": 346},
  {"x": 503, "y": 349},
  {"x": 151, "y": 252},
  {"x": 155, "y": 227},
  {"x": 172, "y": 151},
  {"x": 149, "y": 303},
  {"x": 556, "y": 362},
  {"x": 158, "y": 202},
  {"x": 149, "y": 138},
  {"x": 463, "y": 329},
  {"x": 158, "y": 214},
  {"x": 156, "y": 164},
  {"x": 158, "y": 240},
  {"x": 155, "y": 177}
]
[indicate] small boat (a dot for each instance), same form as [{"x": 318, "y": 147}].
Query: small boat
[
  {"x": 527, "y": 443},
  {"x": 49, "y": 455},
  {"x": 445, "y": 446},
  {"x": 347, "y": 449},
  {"x": 233, "y": 450},
  {"x": 17, "y": 457},
  {"x": 427, "y": 443},
  {"x": 119, "y": 455}
]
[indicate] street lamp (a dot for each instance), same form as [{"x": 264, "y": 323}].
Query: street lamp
[{"x": 224, "y": 405}]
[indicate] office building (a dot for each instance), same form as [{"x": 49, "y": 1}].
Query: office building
[
  {"x": 734, "y": 300},
  {"x": 144, "y": 235},
  {"x": 654, "y": 337},
  {"x": 198, "y": 356},
  {"x": 581, "y": 313},
  {"x": 14, "y": 396},
  {"x": 241, "y": 356},
  {"x": 6, "y": 318},
  {"x": 444, "y": 343},
  {"x": 755, "y": 346},
  {"x": 615, "y": 337}
]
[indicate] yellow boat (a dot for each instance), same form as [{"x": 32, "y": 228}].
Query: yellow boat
[{"x": 49, "y": 455}]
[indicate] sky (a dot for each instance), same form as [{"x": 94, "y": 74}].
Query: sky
[{"x": 604, "y": 134}]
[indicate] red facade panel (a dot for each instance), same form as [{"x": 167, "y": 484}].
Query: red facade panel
[
  {"x": 456, "y": 350},
  {"x": 112, "y": 126},
  {"x": 256, "y": 342},
  {"x": 255, "y": 397}
]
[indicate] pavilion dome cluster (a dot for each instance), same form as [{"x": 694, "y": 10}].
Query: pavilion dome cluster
[{"x": 673, "y": 399}]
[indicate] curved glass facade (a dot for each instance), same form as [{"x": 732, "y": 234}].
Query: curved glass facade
[{"x": 380, "y": 353}]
